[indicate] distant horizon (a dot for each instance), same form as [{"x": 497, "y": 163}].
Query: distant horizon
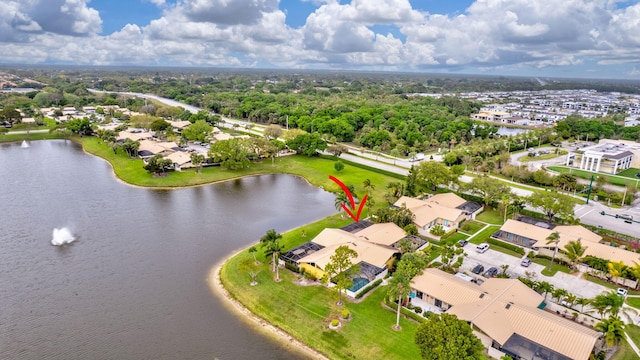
[
  {"x": 177, "y": 68},
  {"x": 591, "y": 39}
]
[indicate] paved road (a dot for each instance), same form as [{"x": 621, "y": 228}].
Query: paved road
[{"x": 588, "y": 214}]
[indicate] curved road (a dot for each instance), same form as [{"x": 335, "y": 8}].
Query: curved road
[{"x": 588, "y": 214}]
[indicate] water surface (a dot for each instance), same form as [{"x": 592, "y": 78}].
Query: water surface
[{"x": 132, "y": 286}]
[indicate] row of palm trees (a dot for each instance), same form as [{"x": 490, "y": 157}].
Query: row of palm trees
[{"x": 608, "y": 306}]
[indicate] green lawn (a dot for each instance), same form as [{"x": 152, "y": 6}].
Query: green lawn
[
  {"x": 315, "y": 170},
  {"x": 633, "y": 301},
  {"x": 484, "y": 234},
  {"x": 550, "y": 271},
  {"x": 505, "y": 250},
  {"x": 471, "y": 226},
  {"x": 29, "y": 137},
  {"x": 630, "y": 173},
  {"x": 620, "y": 180},
  {"x": 491, "y": 216},
  {"x": 305, "y": 312}
]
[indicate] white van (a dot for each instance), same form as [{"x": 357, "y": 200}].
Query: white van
[{"x": 482, "y": 248}]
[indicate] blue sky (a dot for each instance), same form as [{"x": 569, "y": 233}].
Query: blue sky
[{"x": 578, "y": 38}]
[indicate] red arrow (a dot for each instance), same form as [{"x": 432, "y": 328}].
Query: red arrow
[{"x": 353, "y": 203}]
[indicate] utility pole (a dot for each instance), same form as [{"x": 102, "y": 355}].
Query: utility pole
[
  {"x": 589, "y": 191},
  {"x": 624, "y": 196}
]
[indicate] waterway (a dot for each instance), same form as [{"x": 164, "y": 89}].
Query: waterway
[{"x": 132, "y": 285}]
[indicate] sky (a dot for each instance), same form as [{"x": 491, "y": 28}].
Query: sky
[{"x": 540, "y": 38}]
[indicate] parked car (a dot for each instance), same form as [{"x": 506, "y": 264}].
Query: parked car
[
  {"x": 491, "y": 272},
  {"x": 525, "y": 262},
  {"x": 478, "y": 269},
  {"x": 463, "y": 242},
  {"x": 622, "y": 292},
  {"x": 482, "y": 248}
]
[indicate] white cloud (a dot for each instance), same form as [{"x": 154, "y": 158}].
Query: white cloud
[{"x": 490, "y": 34}]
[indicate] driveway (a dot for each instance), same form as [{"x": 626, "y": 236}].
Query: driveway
[{"x": 572, "y": 283}]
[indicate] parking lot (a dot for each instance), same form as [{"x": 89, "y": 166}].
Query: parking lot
[{"x": 491, "y": 258}]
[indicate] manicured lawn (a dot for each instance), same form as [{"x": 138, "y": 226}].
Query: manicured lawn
[
  {"x": 630, "y": 173},
  {"x": 305, "y": 312},
  {"x": 455, "y": 237},
  {"x": 471, "y": 227},
  {"x": 491, "y": 216},
  {"x": 633, "y": 301},
  {"x": 612, "y": 179},
  {"x": 505, "y": 251},
  {"x": 550, "y": 271},
  {"x": 28, "y": 137},
  {"x": 484, "y": 234},
  {"x": 315, "y": 170}
]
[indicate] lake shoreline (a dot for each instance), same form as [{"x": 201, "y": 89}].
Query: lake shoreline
[{"x": 265, "y": 327}]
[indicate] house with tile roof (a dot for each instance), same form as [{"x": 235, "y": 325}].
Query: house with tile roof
[{"x": 506, "y": 315}]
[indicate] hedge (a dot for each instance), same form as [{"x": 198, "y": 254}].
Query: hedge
[
  {"x": 404, "y": 311},
  {"x": 506, "y": 245},
  {"x": 368, "y": 288}
]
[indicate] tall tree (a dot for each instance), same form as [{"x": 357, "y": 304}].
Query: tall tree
[
  {"x": 368, "y": 186},
  {"x": 488, "y": 188},
  {"x": 231, "y": 154},
  {"x": 270, "y": 241},
  {"x": 431, "y": 174},
  {"x": 197, "y": 131},
  {"x": 249, "y": 266},
  {"x": 553, "y": 238},
  {"x": 272, "y": 132},
  {"x": 197, "y": 160},
  {"x": 553, "y": 204},
  {"x": 574, "y": 252},
  {"x": 410, "y": 265},
  {"x": 341, "y": 269},
  {"x": 444, "y": 336},
  {"x": 307, "y": 144}
]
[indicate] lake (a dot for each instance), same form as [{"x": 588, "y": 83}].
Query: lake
[{"x": 133, "y": 283}]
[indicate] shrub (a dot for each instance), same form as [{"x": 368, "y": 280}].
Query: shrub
[
  {"x": 368, "y": 288},
  {"x": 310, "y": 276},
  {"x": 506, "y": 245},
  {"x": 335, "y": 322},
  {"x": 292, "y": 267},
  {"x": 418, "y": 310},
  {"x": 345, "y": 313},
  {"x": 437, "y": 230}
]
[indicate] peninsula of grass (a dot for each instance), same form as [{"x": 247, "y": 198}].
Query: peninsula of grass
[
  {"x": 315, "y": 170},
  {"x": 304, "y": 312}
]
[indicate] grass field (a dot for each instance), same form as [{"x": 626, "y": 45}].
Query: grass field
[
  {"x": 491, "y": 216},
  {"x": 625, "y": 352},
  {"x": 484, "y": 235},
  {"x": 620, "y": 179},
  {"x": 315, "y": 170},
  {"x": 368, "y": 335}
]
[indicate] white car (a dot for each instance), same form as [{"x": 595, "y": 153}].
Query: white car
[
  {"x": 482, "y": 248},
  {"x": 622, "y": 292}
]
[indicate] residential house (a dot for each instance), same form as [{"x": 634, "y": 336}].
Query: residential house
[
  {"x": 506, "y": 315},
  {"x": 447, "y": 210},
  {"x": 180, "y": 160},
  {"x": 373, "y": 244},
  {"x": 535, "y": 236}
]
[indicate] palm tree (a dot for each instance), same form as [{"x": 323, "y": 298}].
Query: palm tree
[
  {"x": 574, "y": 252},
  {"x": 582, "y": 302},
  {"x": 272, "y": 247},
  {"x": 553, "y": 238},
  {"x": 613, "y": 329},
  {"x": 559, "y": 294},
  {"x": 368, "y": 186},
  {"x": 616, "y": 269},
  {"x": 607, "y": 303},
  {"x": 505, "y": 201},
  {"x": 544, "y": 288},
  {"x": 341, "y": 199}
]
